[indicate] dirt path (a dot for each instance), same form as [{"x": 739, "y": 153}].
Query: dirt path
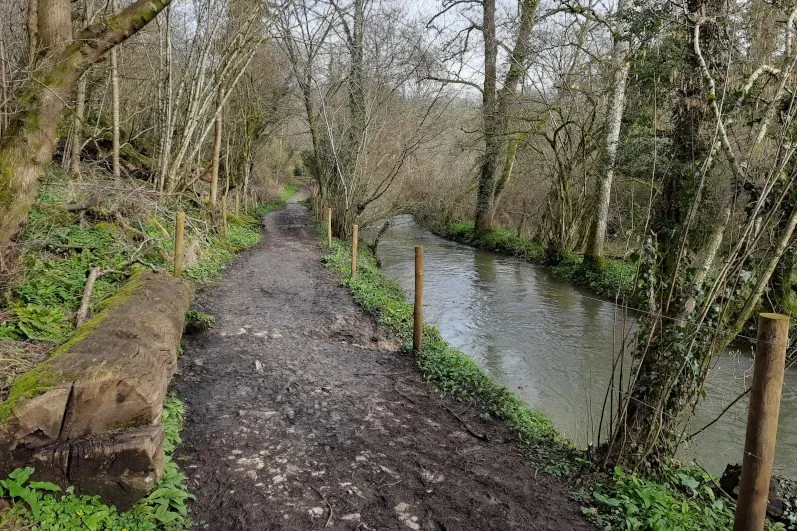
[{"x": 301, "y": 415}]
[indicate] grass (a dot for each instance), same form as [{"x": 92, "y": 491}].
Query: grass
[
  {"x": 612, "y": 278},
  {"x": 682, "y": 499}
]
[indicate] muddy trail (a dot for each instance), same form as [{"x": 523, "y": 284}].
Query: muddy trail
[{"x": 303, "y": 414}]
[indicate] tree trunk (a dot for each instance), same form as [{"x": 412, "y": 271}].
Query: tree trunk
[
  {"x": 33, "y": 25},
  {"x": 214, "y": 171},
  {"x": 117, "y": 170},
  {"x": 3, "y": 87},
  {"x": 27, "y": 147},
  {"x": 673, "y": 361},
  {"x": 496, "y": 108},
  {"x": 620, "y": 67},
  {"x": 166, "y": 121},
  {"x": 486, "y": 189},
  {"x": 77, "y": 126}
]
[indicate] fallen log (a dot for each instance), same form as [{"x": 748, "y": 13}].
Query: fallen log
[{"x": 99, "y": 397}]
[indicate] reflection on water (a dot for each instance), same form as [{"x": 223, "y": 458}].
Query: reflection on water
[{"x": 553, "y": 344}]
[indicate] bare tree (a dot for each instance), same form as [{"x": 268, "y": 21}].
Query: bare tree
[{"x": 29, "y": 142}]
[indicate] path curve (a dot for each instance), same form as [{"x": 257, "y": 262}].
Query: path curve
[{"x": 301, "y": 414}]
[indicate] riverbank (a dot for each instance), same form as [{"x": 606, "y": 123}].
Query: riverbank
[
  {"x": 680, "y": 498},
  {"x": 304, "y": 412},
  {"x": 614, "y": 279}
]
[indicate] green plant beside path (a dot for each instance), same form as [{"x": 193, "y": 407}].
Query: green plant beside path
[
  {"x": 679, "y": 499},
  {"x": 44, "y": 506}
]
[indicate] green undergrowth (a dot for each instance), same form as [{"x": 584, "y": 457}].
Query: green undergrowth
[
  {"x": 44, "y": 506},
  {"x": 60, "y": 247},
  {"x": 611, "y": 278},
  {"x": 453, "y": 372},
  {"x": 124, "y": 232},
  {"x": 678, "y": 500}
]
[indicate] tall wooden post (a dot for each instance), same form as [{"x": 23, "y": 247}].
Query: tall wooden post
[
  {"x": 329, "y": 228},
  {"x": 179, "y": 241},
  {"x": 762, "y": 421},
  {"x": 417, "y": 316},
  {"x": 224, "y": 215},
  {"x": 354, "y": 238}
]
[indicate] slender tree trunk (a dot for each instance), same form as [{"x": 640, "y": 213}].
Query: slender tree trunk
[
  {"x": 486, "y": 189},
  {"x": 117, "y": 170},
  {"x": 27, "y": 147},
  {"x": 3, "y": 87},
  {"x": 496, "y": 107},
  {"x": 214, "y": 171},
  {"x": 77, "y": 126},
  {"x": 166, "y": 101},
  {"x": 620, "y": 67},
  {"x": 33, "y": 29}
]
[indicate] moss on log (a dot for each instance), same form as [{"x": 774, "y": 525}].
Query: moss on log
[{"x": 109, "y": 380}]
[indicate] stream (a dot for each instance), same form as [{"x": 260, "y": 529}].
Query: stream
[{"x": 553, "y": 344}]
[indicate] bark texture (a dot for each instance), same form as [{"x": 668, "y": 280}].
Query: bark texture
[
  {"x": 101, "y": 392},
  {"x": 27, "y": 146}
]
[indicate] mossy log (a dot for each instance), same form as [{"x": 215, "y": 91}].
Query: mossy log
[{"x": 109, "y": 380}]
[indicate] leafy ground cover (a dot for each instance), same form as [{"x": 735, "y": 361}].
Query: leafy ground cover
[
  {"x": 43, "y": 506},
  {"x": 675, "y": 499},
  {"x": 612, "y": 278},
  {"x": 117, "y": 227}
]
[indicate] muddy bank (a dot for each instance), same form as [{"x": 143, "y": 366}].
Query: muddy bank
[{"x": 302, "y": 414}]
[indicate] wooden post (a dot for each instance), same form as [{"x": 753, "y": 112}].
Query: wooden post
[
  {"x": 237, "y": 204},
  {"x": 179, "y": 240},
  {"x": 329, "y": 228},
  {"x": 354, "y": 237},
  {"x": 762, "y": 421},
  {"x": 417, "y": 316},
  {"x": 224, "y": 215}
]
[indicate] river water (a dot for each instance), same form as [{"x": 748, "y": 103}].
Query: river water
[{"x": 553, "y": 344}]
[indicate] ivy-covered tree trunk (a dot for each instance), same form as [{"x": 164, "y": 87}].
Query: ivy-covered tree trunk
[
  {"x": 672, "y": 357},
  {"x": 27, "y": 146}
]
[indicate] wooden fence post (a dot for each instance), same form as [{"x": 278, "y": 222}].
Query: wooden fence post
[
  {"x": 354, "y": 237},
  {"x": 179, "y": 240},
  {"x": 762, "y": 421},
  {"x": 224, "y": 215},
  {"x": 417, "y": 316},
  {"x": 329, "y": 228}
]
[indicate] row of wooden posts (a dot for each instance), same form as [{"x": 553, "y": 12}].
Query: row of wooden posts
[
  {"x": 417, "y": 314},
  {"x": 179, "y": 230},
  {"x": 765, "y": 395}
]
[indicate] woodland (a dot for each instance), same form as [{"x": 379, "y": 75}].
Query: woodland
[{"x": 649, "y": 145}]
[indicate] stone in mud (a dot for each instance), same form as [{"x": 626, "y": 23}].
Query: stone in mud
[{"x": 782, "y": 494}]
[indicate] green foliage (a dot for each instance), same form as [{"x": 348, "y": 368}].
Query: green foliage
[
  {"x": 683, "y": 500},
  {"x": 453, "y": 372},
  {"x": 61, "y": 250},
  {"x": 43, "y": 506},
  {"x": 289, "y": 191},
  {"x": 613, "y": 277},
  {"x": 198, "y": 320}
]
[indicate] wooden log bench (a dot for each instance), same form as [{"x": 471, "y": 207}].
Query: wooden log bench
[{"x": 89, "y": 415}]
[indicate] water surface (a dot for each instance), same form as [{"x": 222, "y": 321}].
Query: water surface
[{"x": 554, "y": 344}]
